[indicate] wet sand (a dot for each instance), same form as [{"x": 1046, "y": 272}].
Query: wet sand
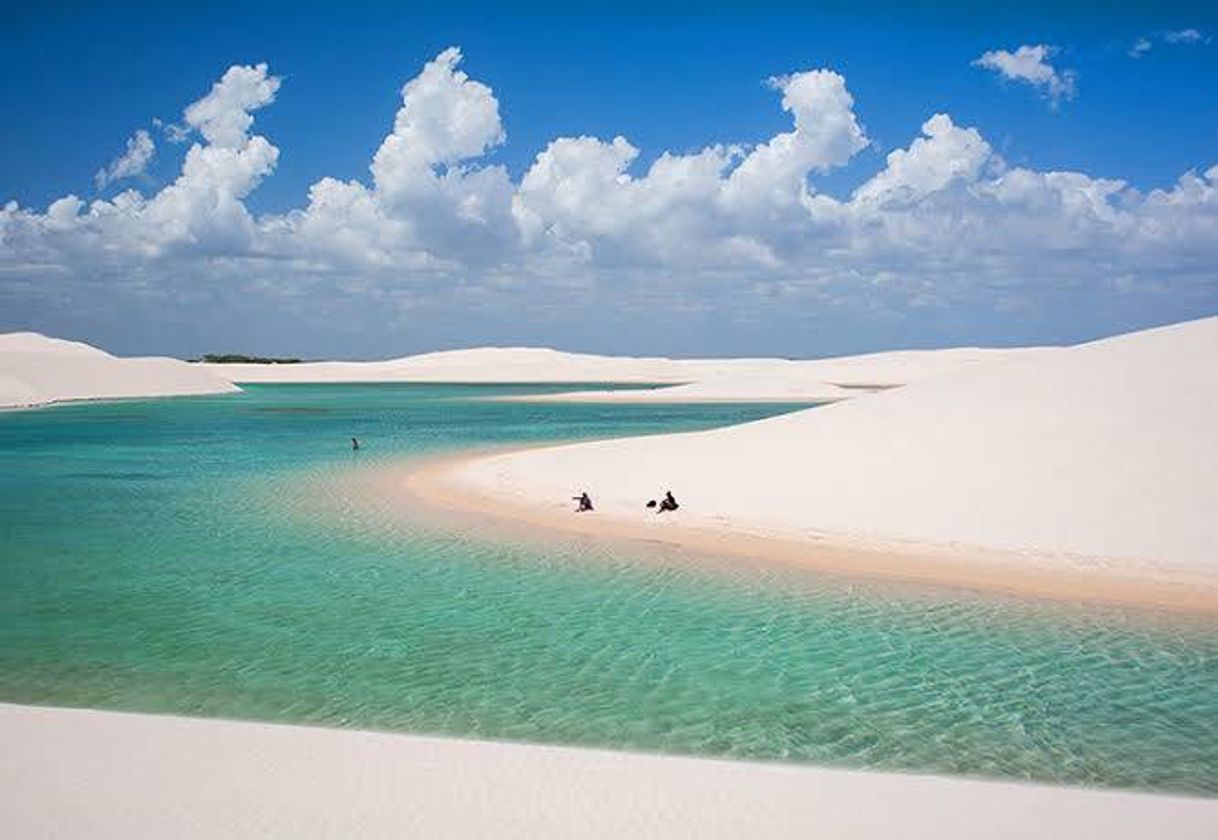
[{"x": 441, "y": 484}]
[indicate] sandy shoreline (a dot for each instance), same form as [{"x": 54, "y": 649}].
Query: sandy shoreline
[
  {"x": 78, "y": 773},
  {"x": 444, "y": 485},
  {"x": 658, "y": 397},
  {"x": 1085, "y": 473}
]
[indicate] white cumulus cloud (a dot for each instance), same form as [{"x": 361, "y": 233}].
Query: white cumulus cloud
[
  {"x": 200, "y": 213},
  {"x": 1029, "y": 64},
  {"x": 134, "y": 161},
  {"x": 739, "y": 228},
  {"x": 944, "y": 155},
  {"x": 726, "y": 204},
  {"x": 445, "y": 117},
  {"x": 428, "y": 194},
  {"x": 224, "y": 115},
  {"x": 826, "y": 135}
]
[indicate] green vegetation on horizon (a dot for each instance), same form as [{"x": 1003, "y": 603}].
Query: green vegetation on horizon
[{"x": 239, "y": 359}]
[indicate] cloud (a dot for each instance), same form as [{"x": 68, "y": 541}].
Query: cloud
[
  {"x": 1185, "y": 36},
  {"x": 740, "y": 231},
  {"x": 130, "y": 163},
  {"x": 1140, "y": 47},
  {"x": 727, "y": 204},
  {"x": 224, "y": 115},
  {"x": 1145, "y": 43},
  {"x": 1028, "y": 64},
  {"x": 445, "y": 118},
  {"x": 199, "y": 215},
  {"x": 944, "y": 156},
  {"x": 826, "y": 135},
  {"x": 173, "y": 132},
  {"x": 427, "y": 197}
]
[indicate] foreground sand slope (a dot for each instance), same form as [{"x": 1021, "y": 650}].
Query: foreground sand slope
[
  {"x": 68, "y": 773},
  {"x": 697, "y": 380},
  {"x": 35, "y": 370},
  {"x": 1105, "y": 450}
]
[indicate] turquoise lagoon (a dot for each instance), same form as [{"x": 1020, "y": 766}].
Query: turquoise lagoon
[{"x": 174, "y": 556}]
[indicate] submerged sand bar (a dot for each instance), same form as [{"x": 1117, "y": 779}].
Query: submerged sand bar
[{"x": 73, "y": 773}]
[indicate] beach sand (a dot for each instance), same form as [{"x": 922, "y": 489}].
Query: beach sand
[
  {"x": 441, "y": 490},
  {"x": 37, "y": 370},
  {"x": 693, "y": 380},
  {"x": 1088, "y": 472},
  {"x": 75, "y": 773},
  {"x": 1083, "y": 473},
  {"x": 801, "y": 381}
]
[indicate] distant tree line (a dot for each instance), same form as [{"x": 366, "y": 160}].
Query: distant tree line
[{"x": 239, "y": 359}]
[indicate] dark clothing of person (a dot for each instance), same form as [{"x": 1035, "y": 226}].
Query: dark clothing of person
[
  {"x": 585, "y": 502},
  {"x": 669, "y": 502},
  {"x": 354, "y": 444}
]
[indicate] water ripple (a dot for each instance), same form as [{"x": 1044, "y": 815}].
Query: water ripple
[{"x": 188, "y": 567}]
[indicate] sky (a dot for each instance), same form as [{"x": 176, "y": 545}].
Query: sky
[{"x": 368, "y": 180}]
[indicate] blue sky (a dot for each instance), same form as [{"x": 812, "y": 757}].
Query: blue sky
[{"x": 78, "y": 79}]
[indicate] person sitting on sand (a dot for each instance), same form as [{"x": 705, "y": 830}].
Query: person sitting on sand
[
  {"x": 585, "y": 502},
  {"x": 669, "y": 502}
]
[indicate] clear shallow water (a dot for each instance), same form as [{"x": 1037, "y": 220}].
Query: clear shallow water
[{"x": 171, "y": 556}]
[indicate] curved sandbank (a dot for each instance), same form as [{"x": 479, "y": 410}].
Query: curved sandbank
[
  {"x": 78, "y": 773},
  {"x": 452, "y": 487},
  {"x": 1089, "y": 472},
  {"x": 38, "y": 370}
]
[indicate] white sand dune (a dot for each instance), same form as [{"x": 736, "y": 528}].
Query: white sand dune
[
  {"x": 71, "y": 773},
  {"x": 807, "y": 380},
  {"x": 36, "y": 370},
  {"x": 694, "y": 380},
  {"x": 479, "y": 365},
  {"x": 1104, "y": 450}
]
